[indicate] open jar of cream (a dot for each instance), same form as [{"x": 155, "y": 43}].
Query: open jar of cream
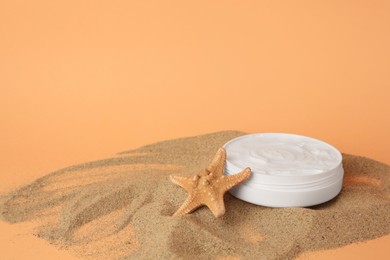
[{"x": 287, "y": 170}]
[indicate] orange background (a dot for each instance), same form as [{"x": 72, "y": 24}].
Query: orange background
[{"x": 81, "y": 80}]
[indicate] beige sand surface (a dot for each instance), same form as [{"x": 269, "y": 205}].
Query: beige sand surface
[
  {"x": 18, "y": 242},
  {"x": 122, "y": 206}
]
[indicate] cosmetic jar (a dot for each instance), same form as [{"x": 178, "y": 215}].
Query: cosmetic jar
[{"x": 288, "y": 170}]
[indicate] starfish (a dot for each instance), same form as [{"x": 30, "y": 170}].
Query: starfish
[{"x": 209, "y": 186}]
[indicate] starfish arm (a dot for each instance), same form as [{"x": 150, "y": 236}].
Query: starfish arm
[
  {"x": 183, "y": 181},
  {"x": 233, "y": 180},
  {"x": 217, "y": 165},
  {"x": 188, "y": 206},
  {"x": 217, "y": 206}
]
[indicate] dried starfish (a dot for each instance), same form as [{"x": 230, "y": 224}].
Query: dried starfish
[{"x": 209, "y": 186}]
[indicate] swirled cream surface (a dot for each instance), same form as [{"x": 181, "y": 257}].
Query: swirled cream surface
[{"x": 281, "y": 154}]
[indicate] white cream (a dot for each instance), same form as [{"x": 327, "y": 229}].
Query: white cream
[
  {"x": 282, "y": 154},
  {"x": 287, "y": 170}
]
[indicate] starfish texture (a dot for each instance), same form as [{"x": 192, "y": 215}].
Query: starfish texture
[{"x": 209, "y": 186}]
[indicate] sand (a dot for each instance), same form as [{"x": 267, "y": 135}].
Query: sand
[{"x": 121, "y": 207}]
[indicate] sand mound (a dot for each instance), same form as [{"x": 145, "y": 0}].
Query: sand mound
[{"x": 122, "y": 207}]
